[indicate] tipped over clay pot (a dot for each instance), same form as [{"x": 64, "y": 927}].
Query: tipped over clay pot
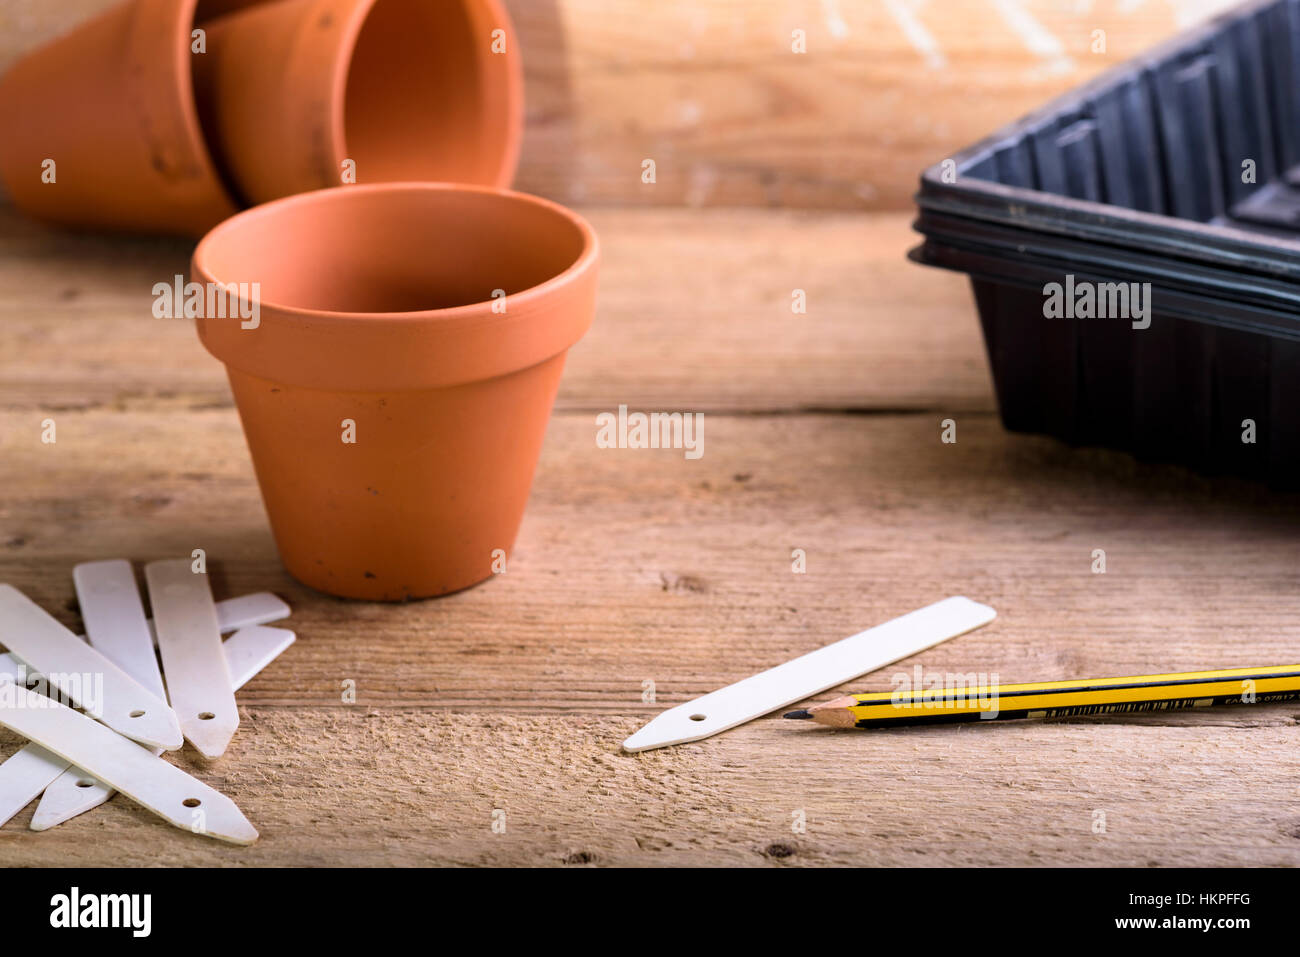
[
  {"x": 396, "y": 385},
  {"x": 298, "y": 95},
  {"x": 99, "y": 127}
]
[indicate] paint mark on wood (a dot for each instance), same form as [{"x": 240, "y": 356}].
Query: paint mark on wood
[
  {"x": 835, "y": 24},
  {"x": 922, "y": 40},
  {"x": 1037, "y": 39}
]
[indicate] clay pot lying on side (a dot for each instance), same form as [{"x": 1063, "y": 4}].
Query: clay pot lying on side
[
  {"x": 397, "y": 380},
  {"x": 99, "y": 127},
  {"x": 297, "y": 95}
]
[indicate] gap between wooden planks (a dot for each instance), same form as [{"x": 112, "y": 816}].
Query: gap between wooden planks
[{"x": 694, "y": 314}]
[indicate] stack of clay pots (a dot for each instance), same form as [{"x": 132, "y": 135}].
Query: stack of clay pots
[
  {"x": 413, "y": 313},
  {"x": 169, "y": 115}
]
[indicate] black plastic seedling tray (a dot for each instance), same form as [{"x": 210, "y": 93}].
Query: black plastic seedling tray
[
  {"x": 1182, "y": 390},
  {"x": 1137, "y": 177}
]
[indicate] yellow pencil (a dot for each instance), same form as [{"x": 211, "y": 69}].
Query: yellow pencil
[{"x": 1058, "y": 699}]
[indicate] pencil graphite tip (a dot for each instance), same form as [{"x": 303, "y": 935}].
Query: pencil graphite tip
[{"x": 801, "y": 713}]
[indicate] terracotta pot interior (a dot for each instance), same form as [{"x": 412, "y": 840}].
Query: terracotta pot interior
[
  {"x": 423, "y": 101},
  {"x": 363, "y": 251}
]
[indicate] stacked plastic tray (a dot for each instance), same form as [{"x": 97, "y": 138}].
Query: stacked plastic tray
[{"x": 1180, "y": 169}]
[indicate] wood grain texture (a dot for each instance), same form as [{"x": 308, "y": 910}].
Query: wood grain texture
[
  {"x": 1177, "y": 792},
  {"x": 712, "y": 92},
  {"x": 821, "y": 433},
  {"x": 636, "y": 566}
]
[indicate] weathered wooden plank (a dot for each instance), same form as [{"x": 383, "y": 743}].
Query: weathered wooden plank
[
  {"x": 695, "y": 312},
  {"x": 714, "y": 93},
  {"x": 367, "y": 787},
  {"x": 638, "y": 565}
]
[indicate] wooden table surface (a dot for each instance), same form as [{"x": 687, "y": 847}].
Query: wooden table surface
[{"x": 822, "y": 433}]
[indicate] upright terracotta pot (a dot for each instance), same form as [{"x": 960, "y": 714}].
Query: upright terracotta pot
[
  {"x": 291, "y": 90},
  {"x": 112, "y": 105},
  {"x": 395, "y": 388}
]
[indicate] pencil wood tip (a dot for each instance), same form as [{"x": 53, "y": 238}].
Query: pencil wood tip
[
  {"x": 801, "y": 713},
  {"x": 835, "y": 717}
]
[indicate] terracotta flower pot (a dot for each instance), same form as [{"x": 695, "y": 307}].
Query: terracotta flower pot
[
  {"x": 405, "y": 89},
  {"x": 393, "y": 398},
  {"x": 112, "y": 105}
]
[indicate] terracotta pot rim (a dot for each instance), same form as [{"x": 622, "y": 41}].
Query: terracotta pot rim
[
  {"x": 180, "y": 17},
  {"x": 494, "y": 11},
  {"x": 520, "y": 302},
  {"x": 340, "y": 71}
]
